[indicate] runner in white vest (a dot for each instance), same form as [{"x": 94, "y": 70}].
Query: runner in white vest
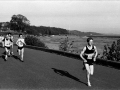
[
  {"x": 1, "y": 40},
  {"x": 20, "y": 43},
  {"x": 7, "y": 43}
]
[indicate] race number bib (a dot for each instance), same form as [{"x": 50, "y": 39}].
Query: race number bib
[
  {"x": 20, "y": 43},
  {"x": 90, "y": 56},
  {"x": 7, "y": 43}
]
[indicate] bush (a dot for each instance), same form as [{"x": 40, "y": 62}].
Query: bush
[
  {"x": 34, "y": 41},
  {"x": 112, "y": 52},
  {"x": 65, "y": 45}
]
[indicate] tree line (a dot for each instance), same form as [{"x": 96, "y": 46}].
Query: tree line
[
  {"x": 43, "y": 30},
  {"x": 20, "y": 23}
]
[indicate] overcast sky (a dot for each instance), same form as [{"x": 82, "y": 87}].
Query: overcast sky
[{"x": 94, "y": 15}]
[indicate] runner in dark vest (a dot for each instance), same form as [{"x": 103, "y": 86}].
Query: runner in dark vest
[{"x": 89, "y": 55}]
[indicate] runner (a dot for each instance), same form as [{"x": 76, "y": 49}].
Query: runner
[
  {"x": 7, "y": 43},
  {"x": 89, "y": 55},
  {"x": 1, "y": 40},
  {"x": 20, "y": 43},
  {"x": 11, "y": 37}
]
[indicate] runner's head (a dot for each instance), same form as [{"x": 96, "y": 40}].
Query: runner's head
[
  {"x": 20, "y": 35},
  {"x": 90, "y": 41},
  {"x": 9, "y": 34}
]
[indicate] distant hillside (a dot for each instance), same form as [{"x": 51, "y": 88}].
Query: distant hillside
[
  {"x": 45, "y": 30},
  {"x": 79, "y": 33}
]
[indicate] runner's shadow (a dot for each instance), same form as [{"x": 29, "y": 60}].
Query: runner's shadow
[
  {"x": 3, "y": 53},
  {"x": 3, "y": 57},
  {"x": 16, "y": 57},
  {"x": 1, "y": 46},
  {"x": 65, "y": 73}
]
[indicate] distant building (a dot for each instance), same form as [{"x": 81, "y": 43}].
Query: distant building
[
  {"x": 84, "y": 37},
  {"x": 53, "y": 35}
]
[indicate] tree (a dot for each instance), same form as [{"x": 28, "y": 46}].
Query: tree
[
  {"x": 19, "y": 22},
  {"x": 112, "y": 52}
]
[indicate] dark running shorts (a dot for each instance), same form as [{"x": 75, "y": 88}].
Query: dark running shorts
[
  {"x": 20, "y": 48},
  {"x": 7, "y": 47},
  {"x": 89, "y": 61}
]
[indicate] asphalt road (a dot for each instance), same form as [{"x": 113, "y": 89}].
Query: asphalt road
[{"x": 47, "y": 71}]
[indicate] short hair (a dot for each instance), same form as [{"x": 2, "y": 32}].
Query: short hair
[
  {"x": 20, "y": 34},
  {"x": 88, "y": 39},
  {"x": 6, "y": 33},
  {"x": 9, "y": 33}
]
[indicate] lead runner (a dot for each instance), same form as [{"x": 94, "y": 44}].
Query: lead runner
[{"x": 89, "y": 55}]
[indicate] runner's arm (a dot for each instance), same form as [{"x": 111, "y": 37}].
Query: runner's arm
[
  {"x": 96, "y": 53},
  {"x": 24, "y": 42},
  {"x": 3, "y": 42},
  {"x": 17, "y": 42},
  {"x": 3, "y": 39},
  {"x": 12, "y": 39},
  {"x": 82, "y": 53}
]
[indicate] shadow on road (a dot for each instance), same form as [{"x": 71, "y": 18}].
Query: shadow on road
[
  {"x": 65, "y": 73},
  {"x": 16, "y": 57},
  {"x": 2, "y": 56}
]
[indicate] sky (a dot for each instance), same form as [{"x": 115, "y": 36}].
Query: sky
[{"x": 102, "y": 16}]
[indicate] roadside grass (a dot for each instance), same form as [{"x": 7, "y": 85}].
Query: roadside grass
[{"x": 53, "y": 42}]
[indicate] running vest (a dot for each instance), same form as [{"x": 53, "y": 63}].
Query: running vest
[
  {"x": 7, "y": 42},
  {"x": 89, "y": 53},
  {"x": 20, "y": 42},
  {"x": 1, "y": 38}
]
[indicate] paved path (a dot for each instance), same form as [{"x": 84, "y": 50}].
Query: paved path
[{"x": 47, "y": 71}]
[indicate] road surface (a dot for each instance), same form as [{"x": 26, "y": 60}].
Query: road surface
[{"x": 47, "y": 71}]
